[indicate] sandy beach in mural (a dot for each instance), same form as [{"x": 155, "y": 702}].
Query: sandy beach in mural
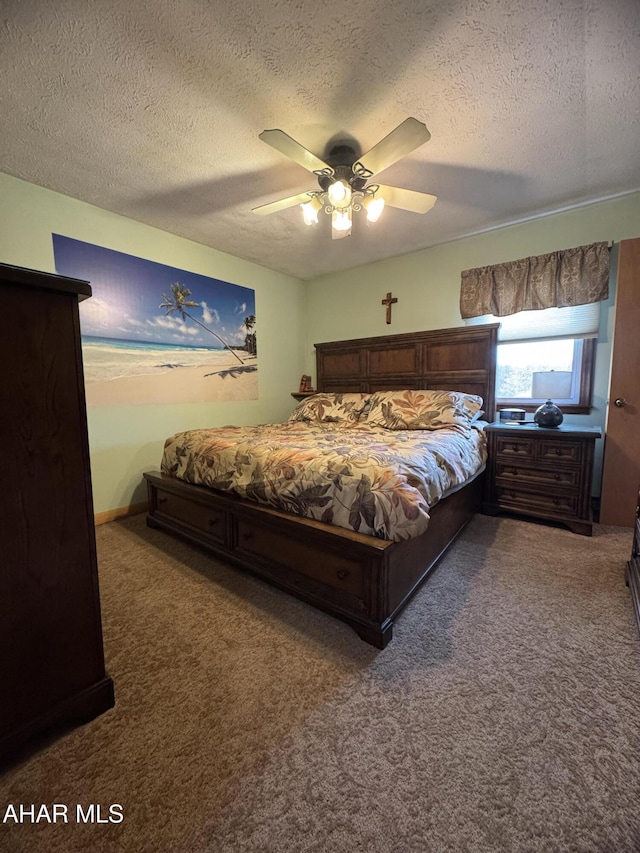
[{"x": 224, "y": 379}]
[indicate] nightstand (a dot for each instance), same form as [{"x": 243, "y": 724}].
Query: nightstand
[{"x": 541, "y": 473}]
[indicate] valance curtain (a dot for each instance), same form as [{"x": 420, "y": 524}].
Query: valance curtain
[{"x": 576, "y": 276}]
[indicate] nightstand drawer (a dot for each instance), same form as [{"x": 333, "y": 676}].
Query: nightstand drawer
[
  {"x": 559, "y": 451},
  {"x": 509, "y": 475},
  {"x": 520, "y": 447},
  {"x": 566, "y": 505}
]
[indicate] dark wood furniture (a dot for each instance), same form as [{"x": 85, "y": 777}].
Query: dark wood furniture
[
  {"x": 51, "y": 657},
  {"x": 635, "y": 548},
  {"x": 541, "y": 473},
  {"x": 360, "y": 579},
  {"x": 460, "y": 359},
  {"x": 633, "y": 566}
]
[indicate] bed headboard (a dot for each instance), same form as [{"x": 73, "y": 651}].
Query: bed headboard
[{"x": 460, "y": 359}]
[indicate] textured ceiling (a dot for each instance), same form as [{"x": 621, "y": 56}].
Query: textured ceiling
[{"x": 153, "y": 110}]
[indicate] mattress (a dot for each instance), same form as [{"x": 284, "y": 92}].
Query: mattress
[{"x": 375, "y": 481}]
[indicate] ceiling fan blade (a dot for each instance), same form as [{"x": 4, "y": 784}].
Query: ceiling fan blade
[
  {"x": 282, "y": 204},
  {"x": 283, "y": 143},
  {"x": 407, "y": 199},
  {"x": 408, "y": 136}
]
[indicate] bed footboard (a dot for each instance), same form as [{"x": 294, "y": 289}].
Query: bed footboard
[{"x": 362, "y": 580}]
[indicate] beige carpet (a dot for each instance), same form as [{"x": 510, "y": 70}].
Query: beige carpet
[{"x": 504, "y": 716}]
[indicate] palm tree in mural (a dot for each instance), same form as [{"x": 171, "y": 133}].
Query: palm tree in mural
[
  {"x": 250, "y": 339},
  {"x": 179, "y": 300}
]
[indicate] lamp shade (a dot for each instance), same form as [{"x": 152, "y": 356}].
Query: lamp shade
[
  {"x": 552, "y": 385},
  {"x": 339, "y": 193},
  {"x": 340, "y": 224}
]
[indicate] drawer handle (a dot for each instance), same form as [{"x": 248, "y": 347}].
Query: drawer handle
[
  {"x": 515, "y": 448},
  {"x": 247, "y": 536},
  {"x": 213, "y": 522},
  {"x": 556, "y": 502},
  {"x": 557, "y": 477},
  {"x": 558, "y": 451},
  {"x": 162, "y": 500},
  {"x": 514, "y": 471},
  {"x": 342, "y": 574}
]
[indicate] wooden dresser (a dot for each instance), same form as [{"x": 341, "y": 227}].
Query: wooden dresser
[
  {"x": 633, "y": 566},
  {"x": 51, "y": 657},
  {"x": 541, "y": 473}
]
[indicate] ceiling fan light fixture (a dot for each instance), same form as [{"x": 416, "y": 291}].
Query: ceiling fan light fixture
[
  {"x": 341, "y": 223},
  {"x": 343, "y": 178},
  {"x": 374, "y": 205},
  {"x": 339, "y": 193},
  {"x": 310, "y": 210}
]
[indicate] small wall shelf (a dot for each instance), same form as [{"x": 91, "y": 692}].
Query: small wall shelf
[{"x": 300, "y": 395}]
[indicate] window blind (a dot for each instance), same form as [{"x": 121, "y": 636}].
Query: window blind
[{"x": 577, "y": 321}]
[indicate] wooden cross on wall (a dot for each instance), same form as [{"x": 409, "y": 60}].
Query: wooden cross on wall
[{"x": 389, "y": 301}]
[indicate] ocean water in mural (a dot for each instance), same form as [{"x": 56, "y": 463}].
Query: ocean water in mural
[{"x": 157, "y": 334}]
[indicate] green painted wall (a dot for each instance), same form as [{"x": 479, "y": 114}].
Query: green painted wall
[
  {"x": 292, "y": 316},
  {"x": 427, "y": 285},
  {"x": 127, "y": 440}
]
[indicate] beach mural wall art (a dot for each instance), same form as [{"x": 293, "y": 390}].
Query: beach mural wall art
[{"x": 156, "y": 334}]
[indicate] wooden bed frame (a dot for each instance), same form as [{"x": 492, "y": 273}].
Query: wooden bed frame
[{"x": 360, "y": 579}]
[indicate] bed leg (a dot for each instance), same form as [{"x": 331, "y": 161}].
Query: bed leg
[{"x": 378, "y": 636}]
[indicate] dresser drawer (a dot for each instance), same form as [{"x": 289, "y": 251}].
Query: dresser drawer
[
  {"x": 509, "y": 474},
  {"x": 337, "y": 572},
  {"x": 548, "y": 450},
  {"x": 209, "y": 521},
  {"x": 562, "y": 504},
  {"x": 515, "y": 447}
]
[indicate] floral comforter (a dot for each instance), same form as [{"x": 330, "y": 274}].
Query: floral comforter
[{"x": 372, "y": 480}]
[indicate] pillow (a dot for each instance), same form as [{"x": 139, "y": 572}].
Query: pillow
[
  {"x": 330, "y": 408},
  {"x": 471, "y": 404},
  {"x": 422, "y": 409}
]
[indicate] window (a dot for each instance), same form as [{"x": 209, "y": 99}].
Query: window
[
  {"x": 561, "y": 368},
  {"x": 546, "y": 354}
]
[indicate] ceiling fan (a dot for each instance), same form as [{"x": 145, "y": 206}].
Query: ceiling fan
[{"x": 343, "y": 178}]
